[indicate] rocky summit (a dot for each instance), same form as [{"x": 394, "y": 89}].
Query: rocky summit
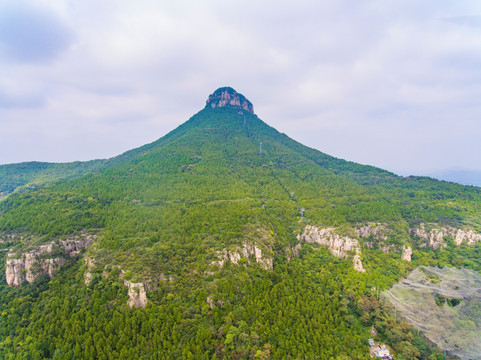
[{"x": 228, "y": 97}]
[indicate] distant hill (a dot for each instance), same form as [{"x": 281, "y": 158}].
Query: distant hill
[{"x": 13, "y": 176}]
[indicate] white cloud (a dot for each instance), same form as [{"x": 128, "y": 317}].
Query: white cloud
[{"x": 389, "y": 83}]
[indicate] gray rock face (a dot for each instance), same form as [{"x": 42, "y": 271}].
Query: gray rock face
[
  {"x": 90, "y": 264},
  {"x": 41, "y": 260},
  {"x": 137, "y": 294},
  {"x": 339, "y": 245},
  {"x": 228, "y": 97},
  {"x": 357, "y": 263},
  {"x": 407, "y": 253},
  {"x": 13, "y": 272},
  {"x": 246, "y": 251},
  {"x": 377, "y": 230},
  {"x": 434, "y": 235}
]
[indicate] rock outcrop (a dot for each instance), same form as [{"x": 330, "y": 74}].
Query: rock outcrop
[
  {"x": 228, "y": 97},
  {"x": 407, "y": 253},
  {"x": 137, "y": 291},
  {"x": 44, "y": 259},
  {"x": 357, "y": 263},
  {"x": 376, "y": 230},
  {"x": 247, "y": 251},
  {"x": 293, "y": 251},
  {"x": 90, "y": 263},
  {"x": 340, "y": 246},
  {"x": 435, "y": 235},
  {"x": 137, "y": 294}
]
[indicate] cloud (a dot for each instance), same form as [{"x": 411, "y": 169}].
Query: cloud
[
  {"x": 468, "y": 20},
  {"x": 393, "y": 84},
  {"x": 12, "y": 101},
  {"x": 31, "y": 34}
]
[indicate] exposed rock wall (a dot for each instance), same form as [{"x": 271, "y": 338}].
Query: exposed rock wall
[
  {"x": 14, "y": 272},
  {"x": 407, "y": 253},
  {"x": 137, "y": 294},
  {"x": 44, "y": 259},
  {"x": 90, "y": 264},
  {"x": 137, "y": 291},
  {"x": 228, "y": 97},
  {"x": 377, "y": 230},
  {"x": 246, "y": 251},
  {"x": 356, "y": 261},
  {"x": 434, "y": 235},
  {"x": 340, "y": 245}
]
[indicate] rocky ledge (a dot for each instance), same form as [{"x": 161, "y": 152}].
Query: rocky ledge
[
  {"x": 245, "y": 254},
  {"x": 340, "y": 246},
  {"x": 43, "y": 259},
  {"x": 425, "y": 235},
  {"x": 228, "y": 97},
  {"x": 434, "y": 235}
]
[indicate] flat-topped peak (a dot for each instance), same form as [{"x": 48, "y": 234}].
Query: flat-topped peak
[{"x": 228, "y": 97}]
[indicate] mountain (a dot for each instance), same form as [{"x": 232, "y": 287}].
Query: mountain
[{"x": 222, "y": 239}]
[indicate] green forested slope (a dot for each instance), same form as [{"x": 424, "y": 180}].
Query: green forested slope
[
  {"x": 13, "y": 176},
  {"x": 163, "y": 214}
]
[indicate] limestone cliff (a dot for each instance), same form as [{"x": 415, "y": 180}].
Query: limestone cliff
[
  {"x": 43, "y": 259},
  {"x": 228, "y": 97},
  {"x": 90, "y": 264},
  {"x": 407, "y": 253},
  {"x": 340, "y": 245},
  {"x": 357, "y": 262},
  {"x": 137, "y": 294},
  {"x": 378, "y": 231},
  {"x": 248, "y": 252},
  {"x": 434, "y": 235},
  {"x": 431, "y": 235}
]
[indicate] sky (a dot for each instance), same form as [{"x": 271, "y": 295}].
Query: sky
[{"x": 394, "y": 84}]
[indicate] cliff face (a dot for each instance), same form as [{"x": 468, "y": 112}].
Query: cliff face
[
  {"x": 247, "y": 251},
  {"x": 407, "y": 253},
  {"x": 434, "y": 235},
  {"x": 431, "y": 235},
  {"x": 340, "y": 245},
  {"x": 44, "y": 259},
  {"x": 137, "y": 294},
  {"x": 376, "y": 230},
  {"x": 228, "y": 97}
]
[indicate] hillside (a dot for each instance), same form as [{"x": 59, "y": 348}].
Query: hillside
[
  {"x": 229, "y": 239},
  {"x": 15, "y": 176}
]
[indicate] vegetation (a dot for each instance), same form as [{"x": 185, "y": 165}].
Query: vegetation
[
  {"x": 166, "y": 211},
  {"x": 30, "y": 174}
]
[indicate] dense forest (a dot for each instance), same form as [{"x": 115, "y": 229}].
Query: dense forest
[{"x": 164, "y": 214}]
